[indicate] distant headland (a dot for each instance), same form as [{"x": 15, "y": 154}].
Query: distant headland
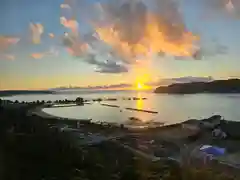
[
  {"x": 217, "y": 86},
  {"x": 22, "y": 92}
]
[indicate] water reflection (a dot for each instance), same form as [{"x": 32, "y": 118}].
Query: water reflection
[
  {"x": 171, "y": 108},
  {"x": 144, "y": 117},
  {"x": 139, "y": 102}
]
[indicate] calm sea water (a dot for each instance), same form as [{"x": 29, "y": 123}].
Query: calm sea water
[{"x": 171, "y": 108}]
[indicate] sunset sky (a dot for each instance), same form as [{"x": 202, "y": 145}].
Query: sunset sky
[{"x": 48, "y": 43}]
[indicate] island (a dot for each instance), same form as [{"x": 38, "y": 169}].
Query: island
[{"x": 217, "y": 86}]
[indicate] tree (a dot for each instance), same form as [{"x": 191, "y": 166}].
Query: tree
[
  {"x": 79, "y": 101},
  {"x": 1, "y": 104}
]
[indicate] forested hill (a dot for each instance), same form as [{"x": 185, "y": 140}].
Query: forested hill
[{"x": 217, "y": 86}]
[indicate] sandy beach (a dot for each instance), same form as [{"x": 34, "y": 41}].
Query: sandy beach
[{"x": 40, "y": 112}]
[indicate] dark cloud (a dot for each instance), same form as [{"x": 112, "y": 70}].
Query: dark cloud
[
  {"x": 112, "y": 69},
  {"x": 131, "y": 18},
  {"x": 95, "y": 53},
  {"x": 68, "y": 40},
  {"x": 205, "y": 50},
  {"x": 161, "y": 54},
  {"x": 198, "y": 55},
  {"x": 214, "y": 8},
  {"x": 170, "y": 19},
  {"x": 74, "y": 45},
  {"x": 212, "y": 49},
  {"x": 107, "y": 66}
]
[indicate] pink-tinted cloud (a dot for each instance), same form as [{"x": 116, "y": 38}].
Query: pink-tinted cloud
[
  {"x": 36, "y": 32},
  {"x": 13, "y": 40},
  {"x": 51, "y": 35},
  {"x": 71, "y": 24},
  {"x": 7, "y": 41},
  {"x": 9, "y": 57},
  {"x": 37, "y": 55},
  {"x": 229, "y": 6}
]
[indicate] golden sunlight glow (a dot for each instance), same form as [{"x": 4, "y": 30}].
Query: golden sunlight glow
[
  {"x": 140, "y": 86},
  {"x": 141, "y": 74},
  {"x": 139, "y": 102},
  {"x": 154, "y": 40}
]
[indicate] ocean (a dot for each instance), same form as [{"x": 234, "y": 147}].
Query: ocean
[{"x": 171, "y": 108}]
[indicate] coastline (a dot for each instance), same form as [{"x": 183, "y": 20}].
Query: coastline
[
  {"x": 39, "y": 112},
  {"x": 174, "y": 134}
]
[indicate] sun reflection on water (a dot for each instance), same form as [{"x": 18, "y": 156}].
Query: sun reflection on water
[{"x": 139, "y": 102}]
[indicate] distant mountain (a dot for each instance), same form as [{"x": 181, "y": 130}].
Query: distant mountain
[
  {"x": 161, "y": 82},
  {"x": 18, "y": 92},
  {"x": 114, "y": 86},
  {"x": 188, "y": 79},
  {"x": 218, "y": 86}
]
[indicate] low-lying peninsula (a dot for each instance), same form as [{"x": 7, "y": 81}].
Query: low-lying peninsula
[
  {"x": 24, "y": 92},
  {"x": 217, "y": 86}
]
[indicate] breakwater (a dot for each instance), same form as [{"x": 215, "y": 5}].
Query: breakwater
[
  {"x": 111, "y": 105},
  {"x": 142, "y": 110}
]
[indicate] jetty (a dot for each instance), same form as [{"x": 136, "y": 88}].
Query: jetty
[
  {"x": 62, "y": 105},
  {"x": 111, "y": 105},
  {"x": 142, "y": 110}
]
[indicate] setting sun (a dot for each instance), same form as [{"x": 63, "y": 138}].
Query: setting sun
[{"x": 141, "y": 86}]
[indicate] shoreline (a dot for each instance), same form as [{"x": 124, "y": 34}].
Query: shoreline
[
  {"x": 39, "y": 112},
  {"x": 174, "y": 134},
  {"x": 228, "y": 124}
]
